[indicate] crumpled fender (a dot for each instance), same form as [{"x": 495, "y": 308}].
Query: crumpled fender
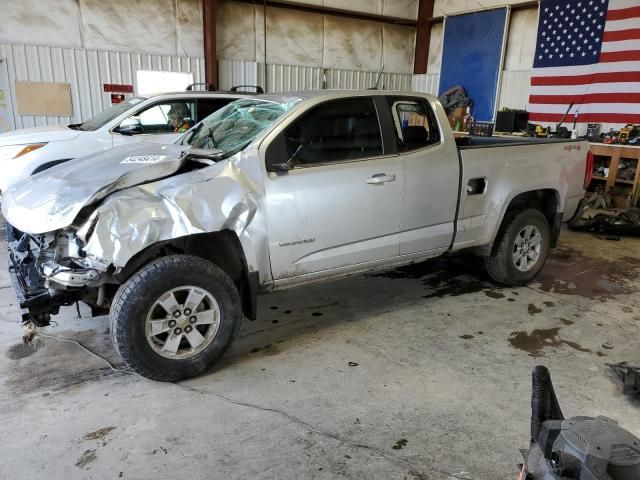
[{"x": 216, "y": 198}]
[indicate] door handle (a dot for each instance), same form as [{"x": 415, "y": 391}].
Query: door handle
[{"x": 380, "y": 178}]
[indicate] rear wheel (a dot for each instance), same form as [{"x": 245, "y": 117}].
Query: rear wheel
[
  {"x": 520, "y": 249},
  {"x": 175, "y": 317}
]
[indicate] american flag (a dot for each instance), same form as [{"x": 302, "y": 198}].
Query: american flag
[{"x": 588, "y": 53}]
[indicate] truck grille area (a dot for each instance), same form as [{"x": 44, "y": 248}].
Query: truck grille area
[
  {"x": 27, "y": 254},
  {"x": 23, "y": 259}
]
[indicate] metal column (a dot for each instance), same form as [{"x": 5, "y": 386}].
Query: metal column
[
  {"x": 423, "y": 36},
  {"x": 210, "y": 58}
]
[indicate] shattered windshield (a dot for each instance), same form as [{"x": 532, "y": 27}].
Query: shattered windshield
[
  {"x": 232, "y": 128},
  {"x": 109, "y": 114}
]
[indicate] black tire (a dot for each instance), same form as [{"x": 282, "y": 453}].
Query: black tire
[
  {"x": 138, "y": 295},
  {"x": 500, "y": 264}
]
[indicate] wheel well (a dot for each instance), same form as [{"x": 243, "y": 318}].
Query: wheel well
[
  {"x": 222, "y": 248},
  {"x": 544, "y": 200}
]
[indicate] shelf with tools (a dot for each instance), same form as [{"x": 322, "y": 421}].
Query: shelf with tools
[{"x": 616, "y": 173}]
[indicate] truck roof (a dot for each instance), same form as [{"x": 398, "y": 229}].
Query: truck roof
[
  {"x": 198, "y": 93},
  {"x": 308, "y": 94}
]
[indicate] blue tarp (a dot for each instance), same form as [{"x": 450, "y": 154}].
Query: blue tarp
[{"x": 471, "y": 53}]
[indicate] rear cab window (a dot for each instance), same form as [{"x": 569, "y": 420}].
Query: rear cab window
[{"x": 415, "y": 123}]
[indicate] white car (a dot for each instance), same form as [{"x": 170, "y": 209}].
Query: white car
[{"x": 160, "y": 118}]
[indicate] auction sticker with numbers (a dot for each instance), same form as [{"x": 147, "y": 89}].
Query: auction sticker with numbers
[{"x": 144, "y": 159}]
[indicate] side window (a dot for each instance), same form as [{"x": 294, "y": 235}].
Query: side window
[
  {"x": 337, "y": 130},
  {"x": 207, "y": 106},
  {"x": 166, "y": 117},
  {"x": 415, "y": 123}
]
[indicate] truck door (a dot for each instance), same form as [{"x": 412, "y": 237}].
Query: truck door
[
  {"x": 431, "y": 176},
  {"x": 339, "y": 206}
]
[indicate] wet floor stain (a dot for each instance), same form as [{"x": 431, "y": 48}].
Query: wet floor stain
[
  {"x": 533, "y": 310},
  {"x": 400, "y": 444},
  {"x": 269, "y": 349},
  {"x": 316, "y": 314},
  {"x": 631, "y": 260},
  {"x": 98, "y": 434},
  {"x": 493, "y": 294},
  {"x": 448, "y": 276},
  {"x": 21, "y": 350},
  {"x": 569, "y": 272},
  {"x": 535, "y": 342},
  {"x": 161, "y": 449},
  {"x": 466, "y": 337},
  {"x": 86, "y": 458}
]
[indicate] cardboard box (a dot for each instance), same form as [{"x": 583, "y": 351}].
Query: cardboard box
[{"x": 460, "y": 112}]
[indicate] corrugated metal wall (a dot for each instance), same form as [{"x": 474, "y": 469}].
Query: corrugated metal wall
[
  {"x": 514, "y": 91},
  {"x": 86, "y": 71},
  {"x": 281, "y": 78},
  {"x": 427, "y": 83}
]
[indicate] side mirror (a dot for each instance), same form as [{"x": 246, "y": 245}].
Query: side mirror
[
  {"x": 284, "y": 166},
  {"x": 129, "y": 126}
]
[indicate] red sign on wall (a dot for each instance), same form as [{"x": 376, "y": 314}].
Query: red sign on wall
[
  {"x": 117, "y": 98},
  {"x": 114, "y": 87}
]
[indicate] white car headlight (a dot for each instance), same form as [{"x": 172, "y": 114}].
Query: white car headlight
[{"x": 15, "y": 151}]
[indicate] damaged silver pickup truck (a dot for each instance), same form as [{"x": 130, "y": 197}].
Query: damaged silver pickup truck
[{"x": 176, "y": 241}]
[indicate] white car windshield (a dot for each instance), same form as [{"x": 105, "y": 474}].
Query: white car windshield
[
  {"x": 234, "y": 127},
  {"x": 109, "y": 114}
]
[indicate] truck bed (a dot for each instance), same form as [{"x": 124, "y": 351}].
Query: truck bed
[
  {"x": 473, "y": 141},
  {"x": 494, "y": 170}
]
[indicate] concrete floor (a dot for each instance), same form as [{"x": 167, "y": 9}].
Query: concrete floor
[{"x": 421, "y": 373}]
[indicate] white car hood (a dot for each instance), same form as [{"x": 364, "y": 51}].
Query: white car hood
[
  {"x": 55, "y": 133},
  {"x": 52, "y": 199}
]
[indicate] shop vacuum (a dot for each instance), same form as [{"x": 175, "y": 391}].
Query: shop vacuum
[{"x": 577, "y": 448}]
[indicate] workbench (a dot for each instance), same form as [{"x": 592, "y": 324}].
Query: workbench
[{"x": 623, "y": 177}]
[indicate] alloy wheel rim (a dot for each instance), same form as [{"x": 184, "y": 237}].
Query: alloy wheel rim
[
  {"x": 527, "y": 248},
  {"x": 182, "y": 322}
]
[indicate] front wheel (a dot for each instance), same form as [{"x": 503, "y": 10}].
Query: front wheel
[
  {"x": 175, "y": 317},
  {"x": 521, "y": 248}
]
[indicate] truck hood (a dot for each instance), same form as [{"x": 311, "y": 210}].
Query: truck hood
[
  {"x": 55, "y": 133},
  {"x": 51, "y": 200}
]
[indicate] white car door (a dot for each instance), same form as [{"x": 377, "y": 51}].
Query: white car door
[
  {"x": 339, "y": 207},
  {"x": 161, "y": 122}
]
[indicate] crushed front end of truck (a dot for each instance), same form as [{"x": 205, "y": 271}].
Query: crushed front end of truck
[{"x": 48, "y": 271}]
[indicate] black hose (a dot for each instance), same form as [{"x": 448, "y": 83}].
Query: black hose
[{"x": 544, "y": 404}]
